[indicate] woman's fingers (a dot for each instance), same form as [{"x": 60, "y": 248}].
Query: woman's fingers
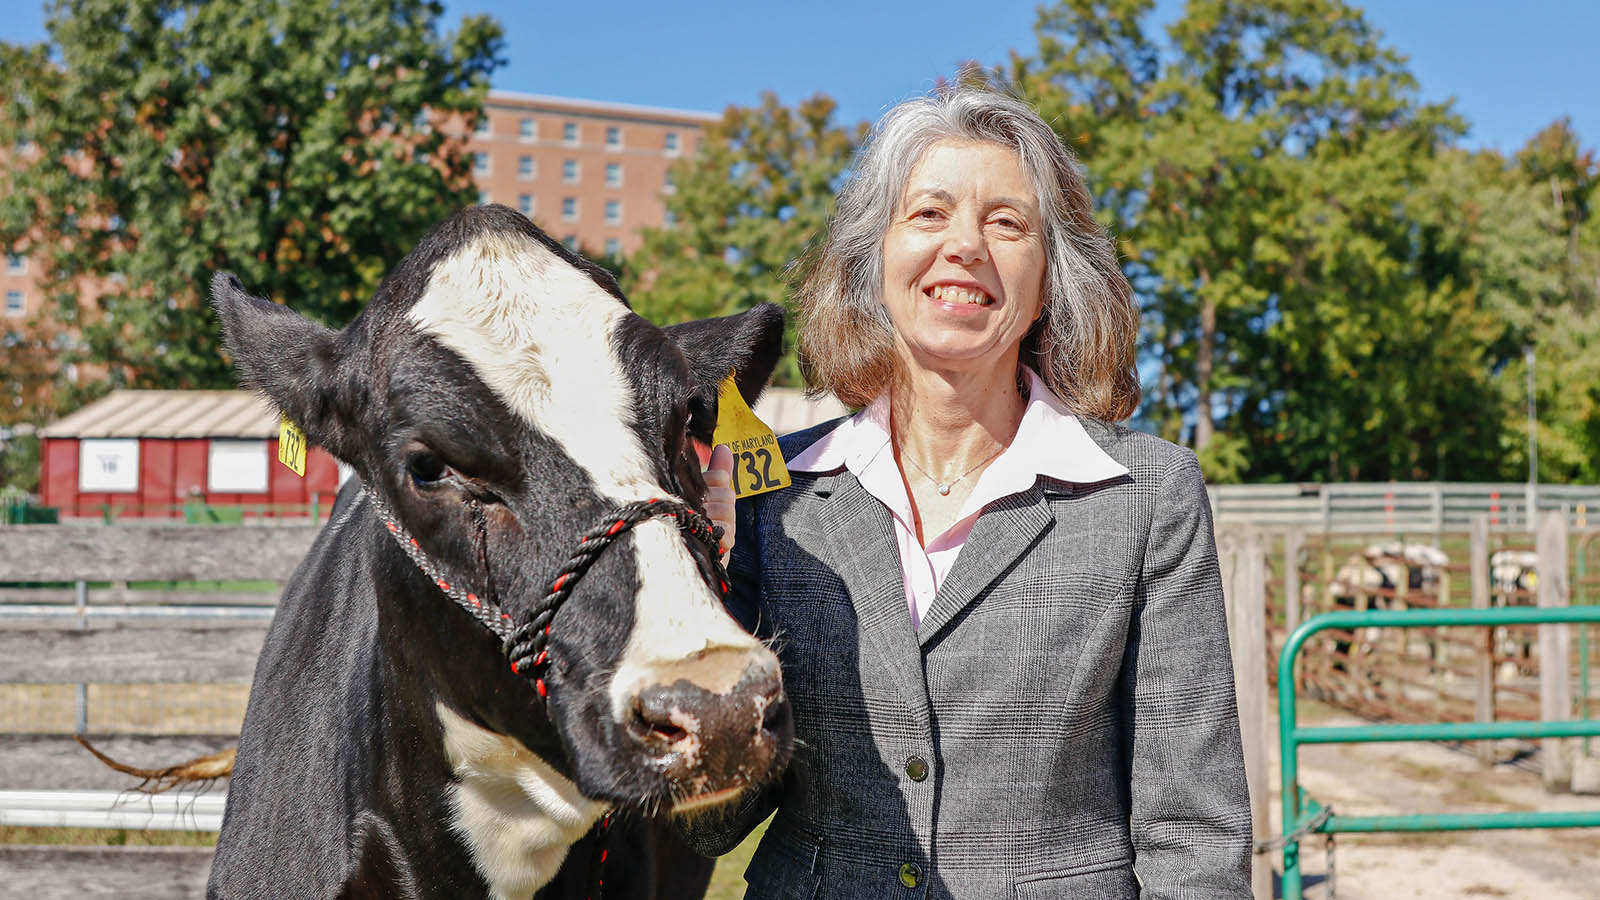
[{"x": 719, "y": 494}]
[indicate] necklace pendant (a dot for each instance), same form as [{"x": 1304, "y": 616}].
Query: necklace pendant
[{"x": 944, "y": 490}]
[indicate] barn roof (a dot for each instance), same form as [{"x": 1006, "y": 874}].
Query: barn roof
[
  {"x": 170, "y": 414},
  {"x": 241, "y": 414}
]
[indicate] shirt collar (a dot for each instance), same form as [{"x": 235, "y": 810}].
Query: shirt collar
[{"x": 1050, "y": 441}]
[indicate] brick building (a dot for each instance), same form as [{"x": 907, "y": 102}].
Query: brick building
[
  {"x": 591, "y": 174},
  {"x": 588, "y": 173}
]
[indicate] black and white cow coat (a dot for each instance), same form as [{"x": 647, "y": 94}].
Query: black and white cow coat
[{"x": 500, "y": 397}]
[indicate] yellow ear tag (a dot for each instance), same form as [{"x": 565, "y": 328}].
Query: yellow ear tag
[
  {"x": 757, "y": 465},
  {"x": 291, "y": 445}
]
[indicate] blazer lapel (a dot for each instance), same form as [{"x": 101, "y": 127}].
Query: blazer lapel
[
  {"x": 860, "y": 535},
  {"x": 1002, "y": 534}
]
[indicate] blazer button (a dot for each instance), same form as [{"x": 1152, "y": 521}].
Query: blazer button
[
  {"x": 917, "y": 768},
  {"x": 910, "y": 874}
]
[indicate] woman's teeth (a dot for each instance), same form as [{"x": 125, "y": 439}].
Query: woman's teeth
[{"x": 947, "y": 293}]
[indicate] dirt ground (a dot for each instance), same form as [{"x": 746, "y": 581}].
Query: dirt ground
[{"x": 1377, "y": 779}]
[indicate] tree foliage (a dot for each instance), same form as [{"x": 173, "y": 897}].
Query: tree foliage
[
  {"x": 285, "y": 140},
  {"x": 747, "y": 207},
  {"x": 1331, "y": 288}
]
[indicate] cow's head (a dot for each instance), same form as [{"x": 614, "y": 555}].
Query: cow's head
[{"x": 494, "y": 369}]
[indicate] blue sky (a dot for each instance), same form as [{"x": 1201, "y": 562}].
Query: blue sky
[{"x": 1512, "y": 68}]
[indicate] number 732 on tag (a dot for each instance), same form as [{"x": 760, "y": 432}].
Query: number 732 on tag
[{"x": 757, "y": 466}]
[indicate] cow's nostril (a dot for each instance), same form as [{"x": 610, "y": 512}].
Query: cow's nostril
[
  {"x": 775, "y": 716},
  {"x": 656, "y": 720}
]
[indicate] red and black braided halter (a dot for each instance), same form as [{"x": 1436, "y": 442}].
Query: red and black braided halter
[{"x": 526, "y": 639}]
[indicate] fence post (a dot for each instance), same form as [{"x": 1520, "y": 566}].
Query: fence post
[
  {"x": 1555, "y": 650},
  {"x": 80, "y": 596},
  {"x": 1293, "y": 541},
  {"x": 1243, "y": 558},
  {"x": 1483, "y": 706}
]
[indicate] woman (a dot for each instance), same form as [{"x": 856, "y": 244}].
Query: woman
[{"x": 999, "y": 614}]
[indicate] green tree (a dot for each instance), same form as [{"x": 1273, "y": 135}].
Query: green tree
[
  {"x": 1306, "y": 244},
  {"x": 1559, "y": 181},
  {"x": 746, "y": 206},
  {"x": 288, "y": 141}
]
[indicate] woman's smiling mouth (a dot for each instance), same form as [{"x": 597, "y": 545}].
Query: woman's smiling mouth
[{"x": 959, "y": 295}]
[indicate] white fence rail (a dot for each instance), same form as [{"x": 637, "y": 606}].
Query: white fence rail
[
  {"x": 1427, "y": 507},
  {"x": 113, "y": 809}
]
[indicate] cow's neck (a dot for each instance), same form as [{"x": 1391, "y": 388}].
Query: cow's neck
[
  {"x": 517, "y": 814},
  {"x": 510, "y": 814}
]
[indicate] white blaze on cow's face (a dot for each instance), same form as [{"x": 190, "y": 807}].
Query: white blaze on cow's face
[{"x": 539, "y": 333}]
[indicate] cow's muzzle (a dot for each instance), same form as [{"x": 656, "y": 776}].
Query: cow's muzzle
[{"x": 712, "y": 725}]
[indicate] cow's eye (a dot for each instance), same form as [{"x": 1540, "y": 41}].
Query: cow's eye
[{"x": 427, "y": 469}]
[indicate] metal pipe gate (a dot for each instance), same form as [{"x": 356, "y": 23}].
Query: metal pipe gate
[{"x": 1302, "y": 815}]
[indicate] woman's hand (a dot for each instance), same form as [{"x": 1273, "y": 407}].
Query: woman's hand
[{"x": 719, "y": 495}]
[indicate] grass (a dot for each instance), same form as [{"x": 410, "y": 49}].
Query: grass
[
  {"x": 104, "y": 837},
  {"x": 727, "y": 882},
  {"x": 161, "y": 709}
]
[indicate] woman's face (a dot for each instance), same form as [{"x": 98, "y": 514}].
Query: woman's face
[{"x": 963, "y": 260}]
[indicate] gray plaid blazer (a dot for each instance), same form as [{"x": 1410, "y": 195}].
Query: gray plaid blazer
[{"x": 1063, "y": 725}]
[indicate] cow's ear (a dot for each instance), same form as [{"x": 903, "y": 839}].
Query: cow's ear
[
  {"x": 747, "y": 344},
  {"x": 287, "y": 357}
]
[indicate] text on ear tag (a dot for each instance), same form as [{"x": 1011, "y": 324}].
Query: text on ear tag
[
  {"x": 757, "y": 465},
  {"x": 291, "y": 445}
]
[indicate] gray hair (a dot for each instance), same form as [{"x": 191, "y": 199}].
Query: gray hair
[{"x": 1082, "y": 345}]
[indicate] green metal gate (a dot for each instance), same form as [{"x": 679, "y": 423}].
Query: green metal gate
[{"x": 1303, "y": 816}]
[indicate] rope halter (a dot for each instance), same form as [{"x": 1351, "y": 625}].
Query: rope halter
[{"x": 525, "y": 638}]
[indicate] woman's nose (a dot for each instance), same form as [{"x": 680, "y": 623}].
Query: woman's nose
[{"x": 964, "y": 242}]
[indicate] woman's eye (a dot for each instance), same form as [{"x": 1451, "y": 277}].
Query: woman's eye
[{"x": 427, "y": 469}]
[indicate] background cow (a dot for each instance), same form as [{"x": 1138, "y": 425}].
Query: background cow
[{"x": 498, "y": 399}]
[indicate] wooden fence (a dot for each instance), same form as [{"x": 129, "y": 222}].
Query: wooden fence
[
  {"x": 1274, "y": 579},
  {"x": 108, "y": 668}
]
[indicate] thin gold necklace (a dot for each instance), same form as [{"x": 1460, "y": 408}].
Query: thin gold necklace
[{"x": 945, "y": 486}]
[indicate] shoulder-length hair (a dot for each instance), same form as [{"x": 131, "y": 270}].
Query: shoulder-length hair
[{"x": 1082, "y": 345}]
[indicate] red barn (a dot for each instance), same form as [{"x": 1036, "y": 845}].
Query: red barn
[{"x": 151, "y": 454}]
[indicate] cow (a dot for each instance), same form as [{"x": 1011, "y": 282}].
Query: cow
[
  {"x": 1382, "y": 576},
  {"x": 1514, "y": 581},
  {"x": 511, "y": 629}
]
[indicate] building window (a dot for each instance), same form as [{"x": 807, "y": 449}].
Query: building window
[
  {"x": 669, "y": 186},
  {"x": 613, "y": 137},
  {"x": 480, "y": 163},
  {"x": 613, "y": 247},
  {"x": 525, "y": 204},
  {"x": 569, "y": 171},
  {"x": 672, "y": 143},
  {"x": 108, "y": 465},
  {"x": 483, "y": 197},
  {"x": 670, "y": 219},
  {"x": 613, "y": 212},
  {"x": 16, "y": 264},
  {"x": 569, "y": 209},
  {"x": 237, "y": 466},
  {"x": 613, "y": 174},
  {"x": 524, "y": 167},
  {"x": 569, "y": 133},
  {"x": 570, "y": 242},
  {"x": 484, "y": 129},
  {"x": 527, "y": 130},
  {"x": 16, "y": 304}
]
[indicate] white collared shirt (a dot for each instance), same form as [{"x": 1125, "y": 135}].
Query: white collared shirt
[{"x": 1050, "y": 441}]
